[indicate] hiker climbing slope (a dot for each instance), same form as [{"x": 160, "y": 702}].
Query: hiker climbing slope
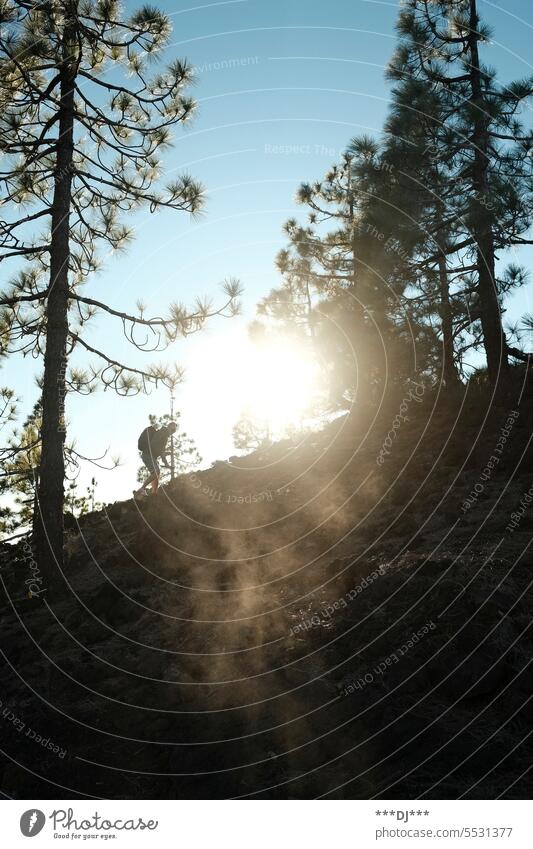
[{"x": 153, "y": 445}]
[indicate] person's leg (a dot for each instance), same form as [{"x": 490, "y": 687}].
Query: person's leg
[
  {"x": 155, "y": 479},
  {"x": 153, "y": 469},
  {"x": 141, "y": 492},
  {"x": 147, "y": 482}
]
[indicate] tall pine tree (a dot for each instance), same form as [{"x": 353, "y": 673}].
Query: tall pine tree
[
  {"x": 82, "y": 125},
  {"x": 482, "y": 141}
]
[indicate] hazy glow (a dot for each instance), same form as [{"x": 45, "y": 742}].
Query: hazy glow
[
  {"x": 277, "y": 385},
  {"x": 228, "y": 375}
]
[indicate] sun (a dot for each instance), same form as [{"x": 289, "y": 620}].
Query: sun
[
  {"x": 275, "y": 384},
  {"x": 278, "y": 385}
]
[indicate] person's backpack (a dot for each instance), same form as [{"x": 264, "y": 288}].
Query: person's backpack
[{"x": 143, "y": 443}]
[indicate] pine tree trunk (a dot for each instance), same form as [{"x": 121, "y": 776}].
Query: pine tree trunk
[
  {"x": 48, "y": 523},
  {"x": 172, "y": 458},
  {"x": 491, "y": 321},
  {"x": 449, "y": 369},
  {"x": 310, "y": 315},
  {"x": 363, "y": 389}
]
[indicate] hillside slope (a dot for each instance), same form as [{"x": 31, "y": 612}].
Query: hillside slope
[{"x": 348, "y": 615}]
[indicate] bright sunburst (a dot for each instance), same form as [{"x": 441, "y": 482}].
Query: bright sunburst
[
  {"x": 277, "y": 385},
  {"x": 273, "y": 384}
]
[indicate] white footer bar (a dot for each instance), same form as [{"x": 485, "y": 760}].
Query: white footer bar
[{"x": 266, "y": 824}]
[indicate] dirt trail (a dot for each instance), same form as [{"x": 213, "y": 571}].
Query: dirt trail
[{"x": 304, "y": 621}]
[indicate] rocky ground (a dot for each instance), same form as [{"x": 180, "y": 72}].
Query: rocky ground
[{"x": 347, "y": 615}]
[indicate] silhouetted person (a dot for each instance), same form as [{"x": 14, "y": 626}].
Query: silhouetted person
[{"x": 153, "y": 445}]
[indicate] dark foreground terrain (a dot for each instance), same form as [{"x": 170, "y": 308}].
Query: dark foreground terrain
[{"x": 320, "y": 618}]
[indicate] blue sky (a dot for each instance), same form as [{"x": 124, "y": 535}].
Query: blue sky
[{"x": 281, "y": 88}]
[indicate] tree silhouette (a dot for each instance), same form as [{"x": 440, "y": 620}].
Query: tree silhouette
[
  {"x": 332, "y": 276},
  {"x": 82, "y": 125},
  {"x": 79, "y": 504},
  {"x": 250, "y": 433},
  {"x": 320, "y": 261},
  {"x": 21, "y": 468},
  {"x": 480, "y": 142},
  {"x": 8, "y": 414}
]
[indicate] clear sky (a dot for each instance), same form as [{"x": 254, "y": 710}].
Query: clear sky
[{"x": 282, "y": 86}]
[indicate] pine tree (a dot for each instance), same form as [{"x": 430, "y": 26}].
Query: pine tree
[
  {"x": 8, "y": 414},
  {"x": 21, "y": 469},
  {"x": 483, "y": 144},
  {"x": 327, "y": 292},
  {"x": 414, "y": 200},
  {"x": 82, "y": 125},
  {"x": 251, "y": 433},
  {"x": 79, "y": 504}
]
